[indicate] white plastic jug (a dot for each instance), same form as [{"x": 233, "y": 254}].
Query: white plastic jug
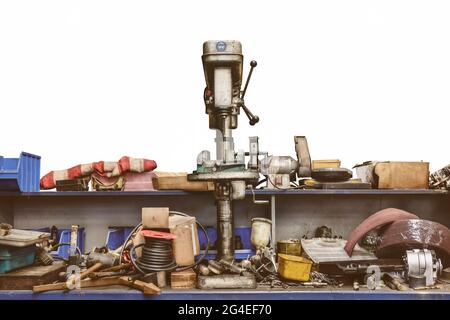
[{"x": 261, "y": 231}]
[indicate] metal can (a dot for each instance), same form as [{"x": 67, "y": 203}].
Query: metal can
[{"x": 291, "y": 247}]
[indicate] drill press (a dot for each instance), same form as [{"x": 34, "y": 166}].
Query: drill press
[{"x": 223, "y": 97}]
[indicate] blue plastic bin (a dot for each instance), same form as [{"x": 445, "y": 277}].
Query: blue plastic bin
[
  {"x": 117, "y": 236},
  {"x": 64, "y": 237},
  {"x": 20, "y": 174},
  {"x": 243, "y": 232},
  {"x": 12, "y": 258}
]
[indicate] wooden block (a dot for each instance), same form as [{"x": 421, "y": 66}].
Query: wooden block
[
  {"x": 26, "y": 278},
  {"x": 402, "y": 175},
  {"x": 179, "y": 181},
  {"x": 155, "y": 218},
  {"x": 183, "y": 279}
]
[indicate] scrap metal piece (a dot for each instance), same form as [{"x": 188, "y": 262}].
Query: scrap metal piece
[
  {"x": 323, "y": 232},
  {"x": 376, "y": 220},
  {"x": 440, "y": 178},
  {"x": 323, "y": 250},
  {"x": 5, "y": 229},
  {"x": 393, "y": 282},
  {"x": 215, "y": 267},
  {"x": 413, "y": 234},
  {"x": 227, "y": 282},
  {"x": 231, "y": 267},
  {"x": 203, "y": 270},
  {"x": 331, "y": 174}
]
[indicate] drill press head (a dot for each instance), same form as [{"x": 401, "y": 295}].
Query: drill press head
[{"x": 222, "y": 65}]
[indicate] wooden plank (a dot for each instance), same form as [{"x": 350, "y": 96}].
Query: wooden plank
[
  {"x": 179, "y": 181},
  {"x": 185, "y": 279},
  {"x": 26, "y": 278}
]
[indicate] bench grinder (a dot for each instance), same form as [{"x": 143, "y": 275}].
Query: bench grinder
[{"x": 223, "y": 97}]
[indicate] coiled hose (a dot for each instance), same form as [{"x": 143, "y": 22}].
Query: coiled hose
[
  {"x": 157, "y": 255},
  {"x": 149, "y": 262}
]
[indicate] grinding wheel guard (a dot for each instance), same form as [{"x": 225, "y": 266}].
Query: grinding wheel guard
[
  {"x": 376, "y": 220},
  {"x": 409, "y": 234}
]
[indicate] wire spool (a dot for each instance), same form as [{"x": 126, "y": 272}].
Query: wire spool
[
  {"x": 127, "y": 245},
  {"x": 157, "y": 253}
]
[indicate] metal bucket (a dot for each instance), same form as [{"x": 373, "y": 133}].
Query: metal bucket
[{"x": 261, "y": 231}]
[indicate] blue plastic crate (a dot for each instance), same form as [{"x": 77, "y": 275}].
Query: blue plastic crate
[
  {"x": 243, "y": 232},
  {"x": 20, "y": 174},
  {"x": 12, "y": 258},
  {"x": 64, "y": 237},
  {"x": 117, "y": 236}
]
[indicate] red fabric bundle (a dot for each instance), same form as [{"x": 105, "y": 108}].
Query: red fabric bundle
[{"x": 103, "y": 168}]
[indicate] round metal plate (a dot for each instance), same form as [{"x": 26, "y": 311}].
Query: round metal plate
[{"x": 331, "y": 174}]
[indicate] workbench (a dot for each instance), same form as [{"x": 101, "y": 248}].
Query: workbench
[
  {"x": 294, "y": 213},
  {"x": 121, "y": 293}
]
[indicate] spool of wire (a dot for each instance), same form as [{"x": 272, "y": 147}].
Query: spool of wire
[
  {"x": 157, "y": 253},
  {"x": 128, "y": 246}
]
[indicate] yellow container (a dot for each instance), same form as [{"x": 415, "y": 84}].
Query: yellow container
[
  {"x": 294, "y": 267},
  {"x": 320, "y": 164}
]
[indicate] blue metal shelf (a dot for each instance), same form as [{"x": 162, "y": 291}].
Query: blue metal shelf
[{"x": 257, "y": 294}]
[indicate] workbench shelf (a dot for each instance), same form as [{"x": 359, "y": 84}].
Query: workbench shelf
[
  {"x": 158, "y": 193},
  {"x": 294, "y": 213},
  {"x": 257, "y": 294}
]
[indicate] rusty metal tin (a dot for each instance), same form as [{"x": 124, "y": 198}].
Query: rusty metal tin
[{"x": 291, "y": 247}]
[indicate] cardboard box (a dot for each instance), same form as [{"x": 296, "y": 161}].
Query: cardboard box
[
  {"x": 179, "y": 181},
  {"x": 187, "y": 245},
  {"x": 154, "y": 218},
  {"x": 319, "y": 164},
  {"x": 394, "y": 174}
]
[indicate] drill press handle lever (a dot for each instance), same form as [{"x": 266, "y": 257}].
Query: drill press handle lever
[{"x": 253, "y": 119}]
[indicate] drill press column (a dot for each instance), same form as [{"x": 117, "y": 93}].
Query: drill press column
[{"x": 225, "y": 221}]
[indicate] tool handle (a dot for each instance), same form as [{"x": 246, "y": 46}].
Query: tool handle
[
  {"x": 88, "y": 283},
  {"x": 251, "y": 117},
  {"x": 119, "y": 267},
  {"x": 93, "y": 268},
  {"x": 50, "y": 287},
  {"x": 146, "y": 288}
]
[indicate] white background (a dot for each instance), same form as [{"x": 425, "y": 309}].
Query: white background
[{"x": 83, "y": 81}]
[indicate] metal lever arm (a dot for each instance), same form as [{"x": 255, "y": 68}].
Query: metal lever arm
[
  {"x": 253, "y": 119},
  {"x": 253, "y": 64}
]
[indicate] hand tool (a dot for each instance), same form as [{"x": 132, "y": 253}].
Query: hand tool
[{"x": 146, "y": 288}]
